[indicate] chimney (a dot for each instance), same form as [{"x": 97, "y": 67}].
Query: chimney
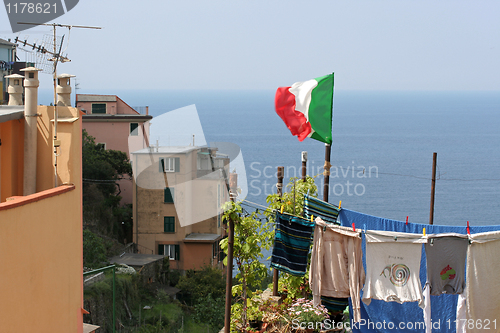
[
  {"x": 31, "y": 84},
  {"x": 63, "y": 89},
  {"x": 15, "y": 89}
]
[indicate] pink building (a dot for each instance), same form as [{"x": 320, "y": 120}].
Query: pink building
[{"x": 116, "y": 126}]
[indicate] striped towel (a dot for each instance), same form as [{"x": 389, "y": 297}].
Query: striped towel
[
  {"x": 293, "y": 237},
  {"x": 327, "y": 211},
  {"x": 334, "y": 304}
]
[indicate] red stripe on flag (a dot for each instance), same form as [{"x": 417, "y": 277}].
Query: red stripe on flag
[{"x": 296, "y": 122}]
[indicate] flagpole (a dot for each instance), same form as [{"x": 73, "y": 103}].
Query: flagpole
[
  {"x": 328, "y": 152},
  {"x": 326, "y": 173}
]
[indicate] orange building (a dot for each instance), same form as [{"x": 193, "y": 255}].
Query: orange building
[
  {"x": 178, "y": 193},
  {"x": 41, "y": 283},
  {"x": 116, "y": 126}
]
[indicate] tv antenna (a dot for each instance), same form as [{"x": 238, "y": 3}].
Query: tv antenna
[{"x": 56, "y": 57}]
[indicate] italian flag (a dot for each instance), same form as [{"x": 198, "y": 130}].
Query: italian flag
[{"x": 307, "y": 108}]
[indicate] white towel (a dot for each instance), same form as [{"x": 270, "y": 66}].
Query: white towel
[{"x": 483, "y": 283}]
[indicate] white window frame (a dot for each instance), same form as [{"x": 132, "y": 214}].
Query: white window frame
[
  {"x": 169, "y": 164},
  {"x": 169, "y": 251}
]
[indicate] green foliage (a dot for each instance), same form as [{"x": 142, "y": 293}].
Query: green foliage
[
  {"x": 103, "y": 165},
  {"x": 102, "y": 168},
  {"x": 210, "y": 310},
  {"x": 250, "y": 237},
  {"x": 94, "y": 250},
  {"x": 197, "y": 285}
]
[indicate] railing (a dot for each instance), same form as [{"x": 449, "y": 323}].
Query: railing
[
  {"x": 143, "y": 249},
  {"x": 141, "y": 109}
]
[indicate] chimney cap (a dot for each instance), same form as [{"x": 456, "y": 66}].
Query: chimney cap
[
  {"x": 64, "y": 76},
  {"x": 30, "y": 69},
  {"x": 14, "y": 76}
]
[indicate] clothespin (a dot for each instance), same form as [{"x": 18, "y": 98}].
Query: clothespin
[
  {"x": 364, "y": 227},
  {"x": 312, "y": 218},
  {"x": 424, "y": 231},
  {"x": 407, "y": 220},
  {"x": 468, "y": 228},
  {"x": 340, "y": 203},
  {"x": 353, "y": 228},
  {"x": 324, "y": 228},
  {"x": 282, "y": 206}
]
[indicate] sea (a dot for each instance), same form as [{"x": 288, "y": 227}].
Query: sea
[{"x": 382, "y": 151}]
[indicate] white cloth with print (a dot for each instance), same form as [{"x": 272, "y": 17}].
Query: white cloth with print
[
  {"x": 483, "y": 282},
  {"x": 393, "y": 267}
]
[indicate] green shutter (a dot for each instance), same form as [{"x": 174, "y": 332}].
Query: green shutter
[
  {"x": 133, "y": 127},
  {"x": 169, "y": 224},
  {"x": 177, "y": 252},
  {"x": 161, "y": 249},
  {"x": 177, "y": 164},
  {"x": 169, "y": 195},
  {"x": 161, "y": 164},
  {"x": 98, "y": 108}
]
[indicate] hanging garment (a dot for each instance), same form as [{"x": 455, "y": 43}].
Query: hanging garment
[
  {"x": 483, "y": 283},
  {"x": 444, "y": 307},
  {"x": 292, "y": 240},
  {"x": 319, "y": 208},
  {"x": 336, "y": 264},
  {"x": 393, "y": 267},
  {"x": 446, "y": 255}
]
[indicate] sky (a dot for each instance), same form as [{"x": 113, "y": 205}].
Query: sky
[{"x": 264, "y": 44}]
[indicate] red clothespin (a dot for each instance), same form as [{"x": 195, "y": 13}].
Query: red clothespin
[
  {"x": 468, "y": 228},
  {"x": 407, "y": 220},
  {"x": 353, "y": 228}
]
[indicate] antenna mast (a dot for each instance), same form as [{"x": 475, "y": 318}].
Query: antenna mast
[{"x": 56, "y": 58}]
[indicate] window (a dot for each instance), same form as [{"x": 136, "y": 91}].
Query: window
[
  {"x": 16, "y": 82},
  {"x": 218, "y": 163},
  {"x": 134, "y": 129},
  {"x": 169, "y": 250},
  {"x": 31, "y": 75},
  {"x": 99, "y": 108},
  {"x": 169, "y": 195},
  {"x": 203, "y": 162},
  {"x": 101, "y": 146},
  {"x": 169, "y": 224},
  {"x": 170, "y": 164}
]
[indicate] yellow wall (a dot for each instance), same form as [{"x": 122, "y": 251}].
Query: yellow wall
[
  {"x": 41, "y": 256},
  {"x": 41, "y": 284}
]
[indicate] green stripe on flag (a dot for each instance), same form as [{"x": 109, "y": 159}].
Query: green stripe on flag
[{"x": 321, "y": 109}]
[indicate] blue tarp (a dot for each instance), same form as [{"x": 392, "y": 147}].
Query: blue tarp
[{"x": 381, "y": 316}]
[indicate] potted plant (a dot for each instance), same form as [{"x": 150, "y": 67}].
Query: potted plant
[{"x": 305, "y": 317}]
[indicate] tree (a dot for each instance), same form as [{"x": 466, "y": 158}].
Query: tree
[
  {"x": 250, "y": 237},
  {"x": 94, "y": 250},
  {"x": 102, "y": 168}
]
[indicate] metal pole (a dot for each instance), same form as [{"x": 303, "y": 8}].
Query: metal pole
[
  {"x": 304, "y": 165},
  {"x": 279, "y": 187},
  {"x": 326, "y": 173},
  {"x": 233, "y": 182},
  {"x": 433, "y": 188},
  {"x": 114, "y": 303}
]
